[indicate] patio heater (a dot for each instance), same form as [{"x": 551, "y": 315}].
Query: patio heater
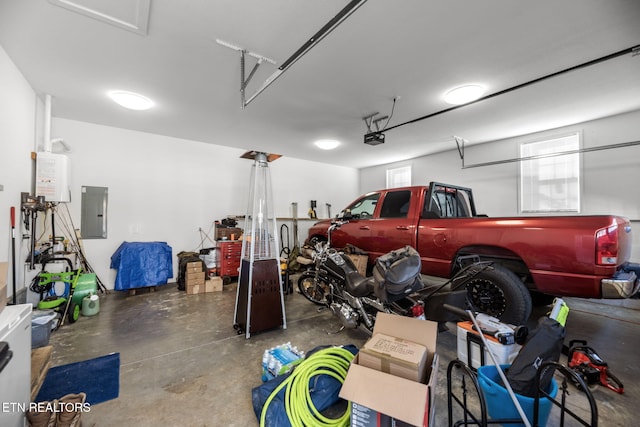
[{"x": 259, "y": 298}]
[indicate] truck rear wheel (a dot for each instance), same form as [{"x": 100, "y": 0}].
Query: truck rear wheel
[{"x": 498, "y": 292}]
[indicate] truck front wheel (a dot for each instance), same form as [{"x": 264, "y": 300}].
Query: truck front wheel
[{"x": 498, "y": 292}]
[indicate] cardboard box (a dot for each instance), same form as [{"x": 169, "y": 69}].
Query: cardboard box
[
  {"x": 194, "y": 289},
  {"x": 213, "y": 285},
  {"x": 469, "y": 344},
  {"x": 194, "y": 278},
  {"x": 379, "y": 394},
  {"x": 361, "y": 263},
  {"x": 191, "y": 285},
  {"x": 365, "y": 417},
  {"x": 195, "y": 283},
  {"x": 395, "y": 356},
  {"x": 190, "y": 274},
  {"x": 4, "y": 269},
  {"x": 193, "y": 267}
]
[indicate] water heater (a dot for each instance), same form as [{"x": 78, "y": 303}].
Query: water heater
[{"x": 52, "y": 177}]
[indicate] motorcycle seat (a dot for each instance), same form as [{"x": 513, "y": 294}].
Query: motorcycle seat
[{"x": 358, "y": 285}]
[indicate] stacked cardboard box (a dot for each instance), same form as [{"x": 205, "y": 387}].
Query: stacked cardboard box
[
  {"x": 195, "y": 281},
  {"x": 194, "y": 278},
  {"x": 378, "y": 397}
]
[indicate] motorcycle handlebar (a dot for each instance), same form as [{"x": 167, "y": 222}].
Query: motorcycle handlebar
[{"x": 334, "y": 224}]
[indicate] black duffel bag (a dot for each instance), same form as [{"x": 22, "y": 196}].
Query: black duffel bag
[{"x": 544, "y": 344}]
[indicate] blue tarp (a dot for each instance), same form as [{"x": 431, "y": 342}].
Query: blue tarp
[
  {"x": 323, "y": 390},
  {"x": 142, "y": 264}
]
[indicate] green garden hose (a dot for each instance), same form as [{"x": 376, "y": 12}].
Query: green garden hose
[{"x": 332, "y": 361}]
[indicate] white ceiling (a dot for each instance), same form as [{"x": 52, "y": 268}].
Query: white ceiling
[{"x": 412, "y": 49}]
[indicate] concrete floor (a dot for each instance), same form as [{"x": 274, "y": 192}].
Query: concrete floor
[{"x": 182, "y": 363}]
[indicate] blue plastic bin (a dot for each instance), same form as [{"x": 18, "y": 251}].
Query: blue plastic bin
[
  {"x": 499, "y": 403},
  {"x": 41, "y": 325}
]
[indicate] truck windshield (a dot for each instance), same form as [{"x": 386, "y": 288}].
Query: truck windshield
[{"x": 364, "y": 207}]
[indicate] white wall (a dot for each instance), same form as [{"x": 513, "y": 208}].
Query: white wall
[
  {"x": 160, "y": 188},
  {"x": 165, "y": 189},
  {"x": 17, "y": 122},
  {"x": 609, "y": 177}
]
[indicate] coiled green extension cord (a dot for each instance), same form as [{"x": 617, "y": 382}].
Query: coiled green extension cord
[{"x": 333, "y": 361}]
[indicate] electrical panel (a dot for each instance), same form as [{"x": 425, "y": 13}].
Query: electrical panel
[
  {"x": 52, "y": 177},
  {"x": 93, "y": 220}
]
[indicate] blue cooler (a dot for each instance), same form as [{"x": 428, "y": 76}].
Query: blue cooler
[{"x": 499, "y": 403}]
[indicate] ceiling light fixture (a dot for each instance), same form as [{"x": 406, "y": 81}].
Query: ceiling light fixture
[
  {"x": 464, "y": 94},
  {"x": 327, "y": 144},
  {"x": 131, "y": 100}
]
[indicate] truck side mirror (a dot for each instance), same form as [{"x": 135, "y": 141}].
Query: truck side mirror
[{"x": 345, "y": 214}]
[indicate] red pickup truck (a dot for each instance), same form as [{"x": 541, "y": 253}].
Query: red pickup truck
[{"x": 580, "y": 256}]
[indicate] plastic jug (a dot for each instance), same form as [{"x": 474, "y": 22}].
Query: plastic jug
[{"x": 90, "y": 305}]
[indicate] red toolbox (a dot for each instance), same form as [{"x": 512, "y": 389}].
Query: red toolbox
[{"x": 230, "y": 251}]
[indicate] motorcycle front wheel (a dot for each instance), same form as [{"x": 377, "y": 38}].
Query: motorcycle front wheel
[{"x": 314, "y": 289}]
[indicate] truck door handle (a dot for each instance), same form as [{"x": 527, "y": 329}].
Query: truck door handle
[
  {"x": 364, "y": 227},
  {"x": 402, "y": 227}
]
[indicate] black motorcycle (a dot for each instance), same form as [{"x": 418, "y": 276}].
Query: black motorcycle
[{"x": 395, "y": 287}]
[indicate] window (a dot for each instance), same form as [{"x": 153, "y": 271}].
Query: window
[
  {"x": 399, "y": 177},
  {"x": 448, "y": 202},
  {"x": 395, "y": 204},
  {"x": 364, "y": 207},
  {"x": 550, "y": 182}
]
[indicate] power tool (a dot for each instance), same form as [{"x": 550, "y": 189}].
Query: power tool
[
  {"x": 505, "y": 333},
  {"x": 586, "y": 362}
]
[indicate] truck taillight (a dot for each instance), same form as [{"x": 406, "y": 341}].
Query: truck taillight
[{"x": 607, "y": 245}]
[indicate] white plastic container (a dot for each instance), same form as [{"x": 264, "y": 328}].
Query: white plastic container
[
  {"x": 504, "y": 353},
  {"x": 90, "y": 305},
  {"x": 212, "y": 260}
]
